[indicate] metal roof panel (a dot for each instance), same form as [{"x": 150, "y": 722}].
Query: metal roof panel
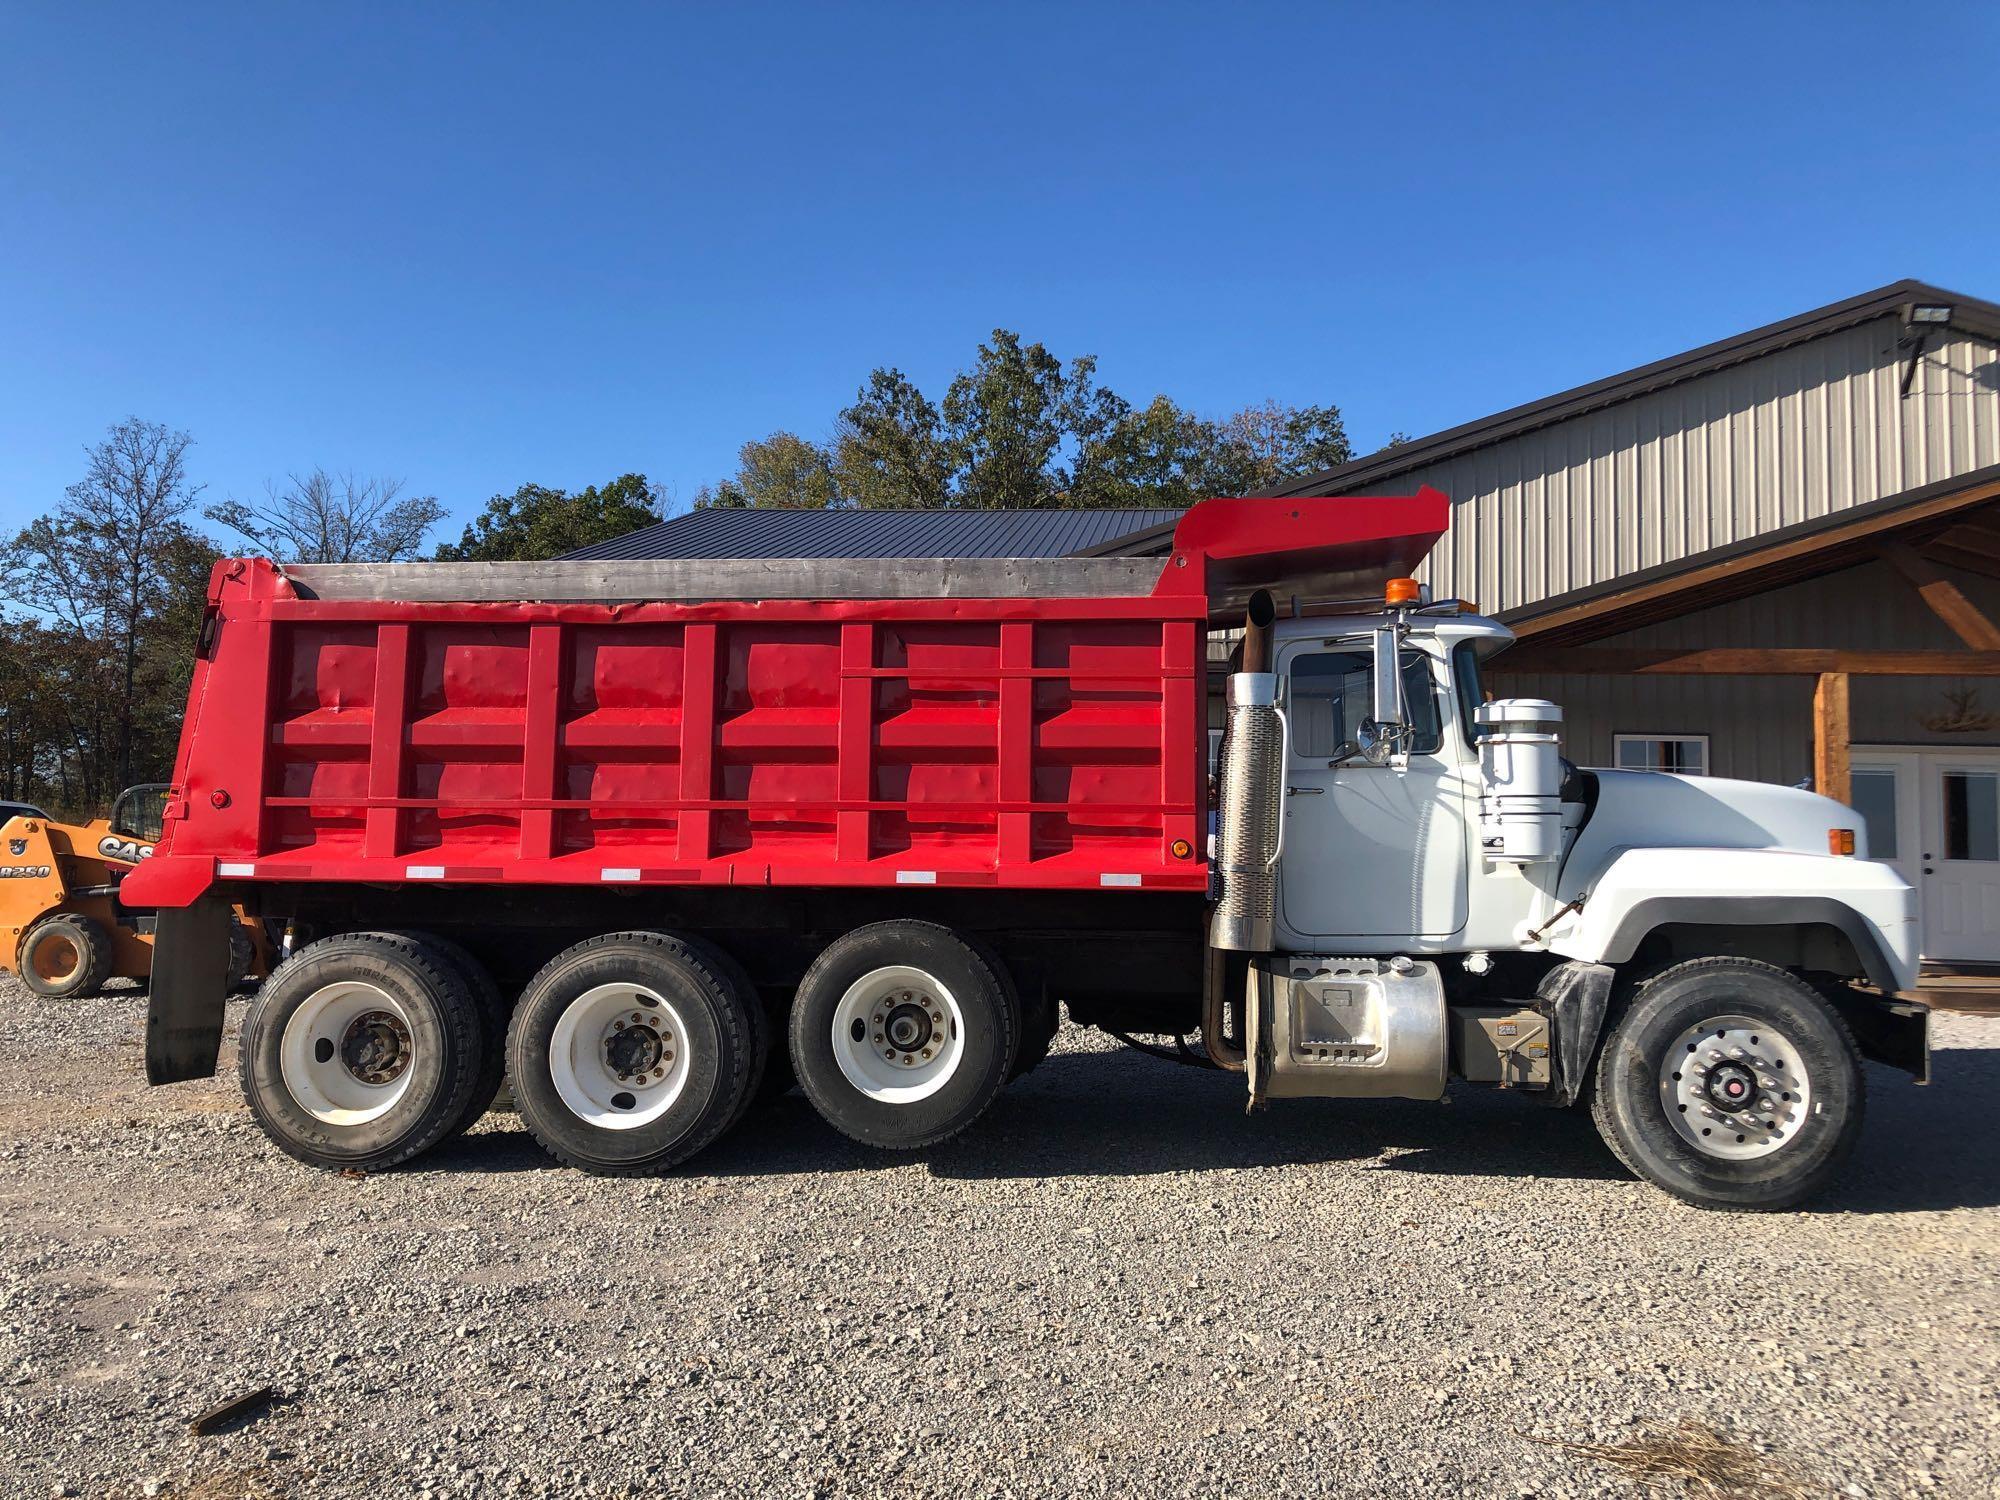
[{"x": 754, "y": 532}]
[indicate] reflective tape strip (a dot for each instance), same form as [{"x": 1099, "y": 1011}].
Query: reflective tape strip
[
  {"x": 916, "y": 877},
  {"x": 228, "y": 870},
  {"x": 424, "y": 872},
  {"x": 1118, "y": 880},
  {"x": 611, "y": 874}
]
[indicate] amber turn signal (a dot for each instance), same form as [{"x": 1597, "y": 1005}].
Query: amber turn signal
[
  {"x": 1840, "y": 840},
  {"x": 1182, "y": 848},
  {"x": 1401, "y": 591}
]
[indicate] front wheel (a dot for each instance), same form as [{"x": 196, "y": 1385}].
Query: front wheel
[{"x": 1731, "y": 1084}]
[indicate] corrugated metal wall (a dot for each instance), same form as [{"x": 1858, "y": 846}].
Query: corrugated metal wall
[
  {"x": 1780, "y": 439},
  {"x": 1761, "y": 727}
]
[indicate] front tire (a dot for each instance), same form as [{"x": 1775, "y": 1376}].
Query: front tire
[
  {"x": 363, "y": 1051},
  {"x": 902, "y": 1034},
  {"x": 631, "y": 1052},
  {"x": 1731, "y": 1084}
]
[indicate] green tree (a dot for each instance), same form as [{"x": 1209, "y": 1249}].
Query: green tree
[
  {"x": 781, "y": 472},
  {"x": 1009, "y": 419},
  {"x": 538, "y": 522},
  {"x": 889, "y": 449},
  {"x": 1155, "y": 455},
  {"x": 1022, "y": 429}
]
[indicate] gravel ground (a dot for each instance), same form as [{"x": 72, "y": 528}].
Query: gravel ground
[{"x": 1117, "y": 1284}]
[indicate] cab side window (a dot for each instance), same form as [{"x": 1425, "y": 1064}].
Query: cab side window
[{"x": 1332, "y": 693}]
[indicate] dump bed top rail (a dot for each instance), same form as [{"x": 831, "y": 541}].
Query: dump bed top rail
[{"x": 690, "y": 580}]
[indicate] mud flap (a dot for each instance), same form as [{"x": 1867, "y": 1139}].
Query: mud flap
[
  {"x": 1574, "y": 996},
  {"x": 1896, "y": 1033},
  {"x": 190, "y": 982}
]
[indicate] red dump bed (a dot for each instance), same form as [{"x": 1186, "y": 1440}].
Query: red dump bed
[{"x": 985, "y": 724}]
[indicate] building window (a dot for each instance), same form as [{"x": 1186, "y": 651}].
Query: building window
[{"x": 1685, "y": 754}]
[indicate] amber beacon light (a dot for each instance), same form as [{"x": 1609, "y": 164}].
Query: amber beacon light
[{"x": 1401, "y": 591}]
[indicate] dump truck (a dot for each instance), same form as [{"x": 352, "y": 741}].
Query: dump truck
[
  {"x": 654, "y": 837},
  {"x": 66, "y": 930}
]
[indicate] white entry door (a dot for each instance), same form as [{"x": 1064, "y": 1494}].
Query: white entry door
[
  {"x": 1935, "y": 816},
  {"x": 1961, "y": 857}
]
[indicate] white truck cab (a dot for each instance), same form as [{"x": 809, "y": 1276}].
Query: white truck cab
[{"x": 1420, "y": 884}]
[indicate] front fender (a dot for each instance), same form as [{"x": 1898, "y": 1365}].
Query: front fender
[{"x": 1642, "y": 889}]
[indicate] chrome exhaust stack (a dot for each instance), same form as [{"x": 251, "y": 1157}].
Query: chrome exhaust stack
[{"x": 1251, "y": 831}]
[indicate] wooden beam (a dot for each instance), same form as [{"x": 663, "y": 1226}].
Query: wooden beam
[
  {"x": 1946, "y": 599},
  {"x": 1971, "y": 536},
  {"x": 1951, "y": 556},
  {"x": 1831, "y": 735},
  {"x": 1734, "y": 661},
  {"x": 1732, "y": 577}
]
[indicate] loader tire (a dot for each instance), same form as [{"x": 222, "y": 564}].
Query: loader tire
[
  {"x": 1730, "y": 1083},
  {"x": 363, "y": 1051},
  {"x": 633, "y": 1051},
  {"x": 65, "y": 957},
  {"x": 242, "y": 954},
  {"x": 902, "y": 1034}
]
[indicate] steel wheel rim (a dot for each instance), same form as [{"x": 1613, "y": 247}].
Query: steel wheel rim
[
  {"x": 347, "y": 1053},
  {"x": 601, "y": 1038},
  {"x": 1735, "y": 1088},
  {"x": 882, "y": 1046},
  {"x": 57, "y": 943}
]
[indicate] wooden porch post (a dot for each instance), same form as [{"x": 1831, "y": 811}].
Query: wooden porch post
[{"x": 1831, "y": 734}]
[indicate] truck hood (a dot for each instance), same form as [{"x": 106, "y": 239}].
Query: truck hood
[{"x": 1654, "y": 809}]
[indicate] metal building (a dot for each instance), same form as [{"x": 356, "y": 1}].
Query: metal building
[{"x": 1775, "y": 557}]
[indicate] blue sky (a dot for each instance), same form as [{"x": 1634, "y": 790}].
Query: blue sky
[{"x": 483, "y": 244}]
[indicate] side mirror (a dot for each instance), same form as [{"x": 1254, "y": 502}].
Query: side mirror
[{"x": 1388, "y": 708}]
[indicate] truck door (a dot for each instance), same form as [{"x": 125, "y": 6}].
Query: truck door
[{"x": 1371, "y": 851}]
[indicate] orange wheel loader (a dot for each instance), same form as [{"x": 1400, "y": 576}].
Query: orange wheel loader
[{"x": 62, "y": 926}]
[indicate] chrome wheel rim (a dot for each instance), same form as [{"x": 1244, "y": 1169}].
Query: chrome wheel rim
[{"x": 1735, "y": 1088}]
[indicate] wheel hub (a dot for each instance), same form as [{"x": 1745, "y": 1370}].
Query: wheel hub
[
  {"x": 1731, "y": 1086},
  {"x": 638, "y": 1049},
  {"x": 375, "y": 1048},
  {"x": 906, "y": 1027}
]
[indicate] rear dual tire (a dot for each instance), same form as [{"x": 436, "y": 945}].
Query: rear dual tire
[
  {"x": 368, "y": 1049},
  {"x": 631, "y": 1052}
]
